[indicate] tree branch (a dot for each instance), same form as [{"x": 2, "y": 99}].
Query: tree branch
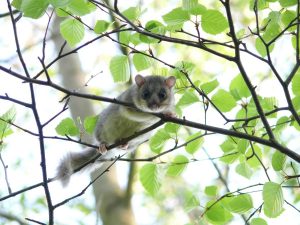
[
  {"x": 37, "y": 120},
  {"x": 11, "y": 217},
  {"x": 240, "y": 66}
]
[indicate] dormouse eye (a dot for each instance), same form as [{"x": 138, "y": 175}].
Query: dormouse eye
[
  {"x": 145, "y": 94},
  {"x": 162, "y": 94}
]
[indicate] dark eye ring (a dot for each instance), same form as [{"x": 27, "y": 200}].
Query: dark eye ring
[
  {"x": 145, "y": 94},
  {"x": 162, "y": 94}
]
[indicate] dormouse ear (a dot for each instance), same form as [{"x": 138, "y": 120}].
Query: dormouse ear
[
  {"x": 170, "y": 81},
  {"x": 139, "y": 80}
]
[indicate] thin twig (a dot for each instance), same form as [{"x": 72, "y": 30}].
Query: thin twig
[
  {"x": 5, "y": 174},
  {"x": 84, "y": 189}
]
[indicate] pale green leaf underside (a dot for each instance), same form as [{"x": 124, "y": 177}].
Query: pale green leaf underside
[
  {"x": 72, "y": 31},
  {"x": 141, "y": 62},
  {"x": 177, "y": 166},
  {"x": 119, "y": 68},
  {"x": 273, "y": 199},
  {"x": 239, "y": 204},
  {"x": 149, "y": 178}
]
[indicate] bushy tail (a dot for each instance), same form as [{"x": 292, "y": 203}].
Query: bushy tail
[{"x": 73, "y": 161}]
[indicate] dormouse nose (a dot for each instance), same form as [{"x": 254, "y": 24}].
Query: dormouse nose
[{"x": 153, "y": 103}]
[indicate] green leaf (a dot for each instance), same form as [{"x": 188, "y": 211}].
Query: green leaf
[
  {"x": 188, "y": 98},
  {"x": 189, "y": 4},
  {"x": 238, "y": 88},
  {"x": 287, "y": 17},
  {"x": 132, "y": 13},
  {"x": 274, "y": 17},
  {"x": 172, "y": 128},
  {"x": 217, "y": 214},
  {"x": 90, "y": 123},
  {"x": 296, "y": 125},
  {"x": 278, "y": 161},
  {"x": 244, "y": 170},
  {"x": 296, "y": 83},
  {"x": 158, "y": 140},
  {"x": 253, "y": 162},
  {"x": 211, "y": 190},
  {"x": 228, "y": 145},
  {"x": 242, "y": 145},
  {"x": 61, "y": 12},
  {"x": 268, "y": 104},
  {"x": 197, "y": 10},
  {"x": 153, "y": 26},
  {"x": 241, "y": 33},
  {"x": 174, "y": 27},
  {"x": 177, "y": 166},
  {"x": 59, "y": 3},
  {"x": 135, "y": 39},
  {"x": 296, "y": 102},
  {"x": 213, "y": 22},
  {"x": 5, "y": 127},
  {"x": 239, "y": 204},
  {"x": 176, "y": 17},
  {"x": 124, "y": 37},
  {"x": 141, "y": 62},
  {"x": 193, "y": 7},
  {"x": 84, "y": 208},
  {"x": 17, "y": 4},
  {"x": 294, "y": 41},
  {"x": 193, "y": 146},
  {"x": 261, "y": 4},
  {"x": 273, "y": 199},
  {"x": 223, "y": 100},
  {"x": 119, "y": 68},
  {"x": 72, "y": 31},
  {"x": 34, "y": 8},
  {"x": 287, "y": 3},
  {"x": 281, "y": 123},
  {"x": 272, "y": 31},
  {"x": 149, "y": 178},
  {"x": 67, "y": 127},
  {"x": 190, "y": 201},
  {"x": 261, "y": 48},
  {"x": 230, "y": 157},
  {"x": 258, "y": 221},
  {"x": 184, "y": 66},
  {"x": 209, "y": 86},
  {"x": 80, "y": 7},
  {"x": 101, "y": 26}
]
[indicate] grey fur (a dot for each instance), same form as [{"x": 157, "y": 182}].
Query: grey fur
[
  {"x": 117, "y": 122},
  {"x": 72, "y": 161}
]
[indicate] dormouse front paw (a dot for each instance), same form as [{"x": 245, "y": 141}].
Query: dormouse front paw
[
  {"x": 124, "y": 146},
  {"x": 170, "y": 114},
  {"x": 102, "y": 149}
]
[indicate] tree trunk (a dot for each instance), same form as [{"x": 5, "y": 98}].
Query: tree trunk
[{"x": 111, "y": 203}]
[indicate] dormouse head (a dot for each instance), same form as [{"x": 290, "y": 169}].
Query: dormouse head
[{"x": 154, "y": 93}]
